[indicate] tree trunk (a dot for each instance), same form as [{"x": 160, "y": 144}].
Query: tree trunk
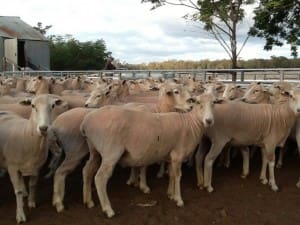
[{"x": 234, "y": 66}]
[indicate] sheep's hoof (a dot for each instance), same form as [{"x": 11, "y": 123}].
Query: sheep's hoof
[
  {"x": 170, "y": 196},
  {"x": 244, "y": 176},
  {"x": 227, "y": 165},
  {"x": 278, "y": 166},
  {"x": 274, "y": 187},
  {"x": 31, "y": 204},
  {"x": 210, "y": 189},
  {"x": 90, "y": 204},
  {"x": 201, "y": 187},
  {"x": 109, "y": 212},
  {"x": 180, "y": 203},
  {"x": 21, "y": 218},
  {"x": 132, "y": 183},
  {"x": 160, "y": 175},
  {"x": 145, "y": 190},
  {"x": 264, "y": 181},
  {"x": 59, "y": 207},
  {"x": 298, "y": 184}
]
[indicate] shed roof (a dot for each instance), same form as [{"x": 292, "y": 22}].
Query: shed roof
[{"x": 14, "y": 27}]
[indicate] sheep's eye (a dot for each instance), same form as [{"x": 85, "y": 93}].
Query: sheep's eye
[
  {"x": 176, "y": 92},
  {"x": 98, "y": 96},
  {"x": 53, "y": 105},
  {"x": 190, "y": 100},
  {"x": 33, "y": 106}
]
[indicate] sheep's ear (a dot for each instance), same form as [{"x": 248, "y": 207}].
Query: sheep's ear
[
  {"x": 123, "y": 82},
  {"x": 26, "y": 101},
  {"x": 175, "y": 80},
  {"x": 219, "y": 88},
  {"x": 219, "y": 101}
]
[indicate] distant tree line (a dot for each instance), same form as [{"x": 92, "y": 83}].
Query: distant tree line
[{"x": 274, "y": 62}]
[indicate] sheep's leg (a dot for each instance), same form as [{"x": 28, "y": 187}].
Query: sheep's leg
[
  {"x": 143, "y": 180},
  {"x": 199, "y": 157},
  {"x": 88, "y": 173},
  {"x": 176, "y": 167},
  {"x": 133, "y": 178},
  {"x": 263, "y": 172},
  {"x": 246, "y": 159},
  {"x": 215, "y": 150},
  {"x": 171, "y": 187},
  {"x": 18, "y": 184},
  {"x": 298, "y": 183},
  {"x": 252, "y": 151},
  {"x": 227, "y": 159},
  {"x": 190, "y": 162},
  {"x": 67, "y": 166},
  {"x": 298, "y": 134},
  {"x": 282, "y": 152},
  {"x": 161, "y": 171},
  {"x": 271, "y": 165},
  {"x": 104, "y": 173},
  {"x": 32, "y": 190},
  {"x": 57, "y": 153}
]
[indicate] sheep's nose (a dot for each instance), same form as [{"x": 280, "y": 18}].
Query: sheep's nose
[
  {"x": 243, "y": 99},
  {"x": 86, "y": 105},
  {"x": 43, "y": 128},
  {"x": 208, "y": 121}
]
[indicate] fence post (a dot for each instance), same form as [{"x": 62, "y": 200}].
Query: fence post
[
  {"x": 242, "y": 76},
  {"x": 281, "y": 75},
  {"x": 204, "y": 76}
]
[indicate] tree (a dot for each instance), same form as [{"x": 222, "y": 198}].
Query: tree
[
  {"x": 67, "y": 53},
  {"x": 277, "y": 21},
  {"x": 41, "y": 29},
  {"x": 220, "y": 18}
]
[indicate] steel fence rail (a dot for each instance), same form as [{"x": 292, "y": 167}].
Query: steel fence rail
[{"x": 243, "y": 75}]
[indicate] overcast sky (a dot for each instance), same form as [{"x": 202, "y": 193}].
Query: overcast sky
[{"x": 131, "y": 31}]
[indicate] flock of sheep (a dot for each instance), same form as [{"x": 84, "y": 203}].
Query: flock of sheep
[{"x": 136, "y": 123}]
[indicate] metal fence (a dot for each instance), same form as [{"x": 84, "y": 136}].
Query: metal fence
[{"x": 243, "y": 75}]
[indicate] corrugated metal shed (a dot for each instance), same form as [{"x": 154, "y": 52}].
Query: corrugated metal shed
[{"x": 14, "y": 27}]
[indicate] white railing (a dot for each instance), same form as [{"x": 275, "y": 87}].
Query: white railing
[{"x": 243, "y": 75}]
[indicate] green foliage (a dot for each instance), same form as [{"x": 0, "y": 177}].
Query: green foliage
[
  {"x": 278, "y": 21},
  {"x": 67, "y": 53},
  {"x": 274, "y": 62}
]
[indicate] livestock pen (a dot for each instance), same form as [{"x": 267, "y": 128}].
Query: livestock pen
[{"x": 235, "y": 201}]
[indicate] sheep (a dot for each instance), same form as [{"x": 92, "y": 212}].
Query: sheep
[
  {"x": 264, "y": 125},
  {"x": 134, "y": 138},
  {"x": 23, "y": 146}
]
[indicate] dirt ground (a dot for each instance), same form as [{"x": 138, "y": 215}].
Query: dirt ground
[{"x": 235, "y": 200}]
